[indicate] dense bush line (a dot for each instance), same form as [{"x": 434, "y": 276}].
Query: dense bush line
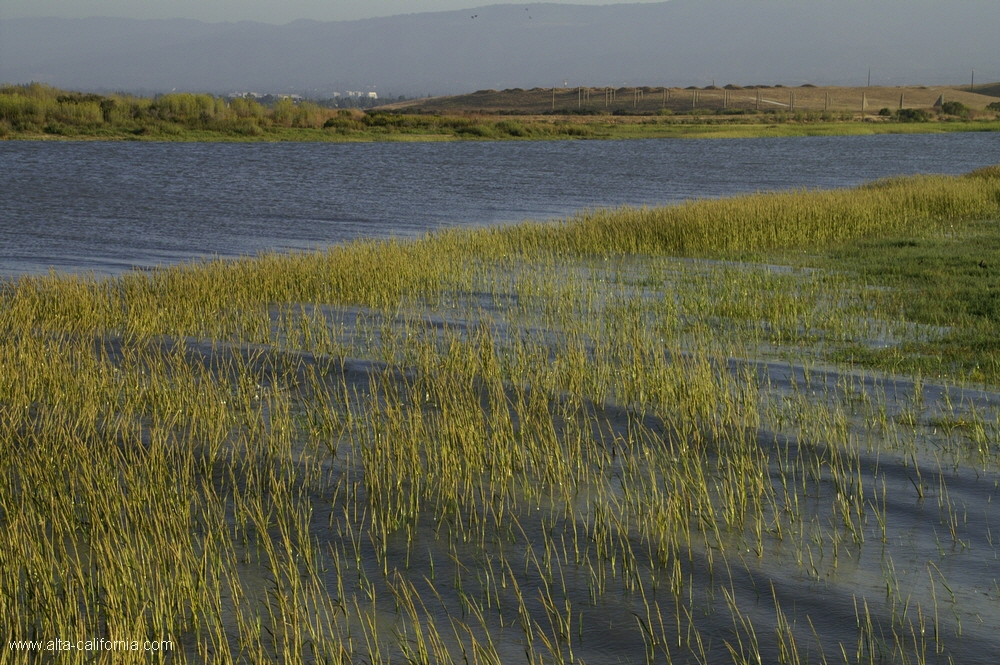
[{"x": 37, "y": 109}]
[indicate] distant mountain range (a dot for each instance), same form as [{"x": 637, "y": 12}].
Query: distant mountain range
[{"x": 680, "y": 42}]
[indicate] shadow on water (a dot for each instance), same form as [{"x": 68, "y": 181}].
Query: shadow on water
[{"x": 801, "y": 513}]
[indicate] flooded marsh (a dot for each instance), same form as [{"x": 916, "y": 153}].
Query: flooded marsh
[{"x": 619, "y": 438}]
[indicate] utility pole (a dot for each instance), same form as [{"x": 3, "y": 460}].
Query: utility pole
[
  {"x": 869, "y": 77},
  {"x": 973, "y": 80}
]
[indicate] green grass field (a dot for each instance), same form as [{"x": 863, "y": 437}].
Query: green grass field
[{"x": 757, "y": 429}]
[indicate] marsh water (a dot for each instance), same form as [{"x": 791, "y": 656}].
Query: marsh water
[{"x": 110, "y": 206}]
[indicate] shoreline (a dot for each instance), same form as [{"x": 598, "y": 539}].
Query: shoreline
[{"x": 551, "y": 130}]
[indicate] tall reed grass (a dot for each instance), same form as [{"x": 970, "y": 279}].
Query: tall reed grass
[{"x": 913, "y": 206}]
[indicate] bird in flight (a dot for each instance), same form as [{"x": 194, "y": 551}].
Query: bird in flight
[{"x": 475, "y": 16}]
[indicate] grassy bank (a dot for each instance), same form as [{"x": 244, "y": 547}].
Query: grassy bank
[
  {"x": 37, "y": 112},
  {"x": 443, "y": 128},
  {"x": 702, "y": 433}
]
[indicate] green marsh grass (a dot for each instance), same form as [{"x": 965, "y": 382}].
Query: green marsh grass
[{"x": 650, "y": 435}]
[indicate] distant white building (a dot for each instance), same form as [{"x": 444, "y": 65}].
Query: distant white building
[{"x": 372, "y": 95}]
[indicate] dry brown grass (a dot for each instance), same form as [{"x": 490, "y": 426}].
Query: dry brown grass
[{"x": 647, "y": 99}]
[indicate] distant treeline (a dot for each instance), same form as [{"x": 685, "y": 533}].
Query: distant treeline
[{"x": 39, "y": 108}]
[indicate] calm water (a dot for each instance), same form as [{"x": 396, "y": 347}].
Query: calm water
[{"x": 110, "y": 206}]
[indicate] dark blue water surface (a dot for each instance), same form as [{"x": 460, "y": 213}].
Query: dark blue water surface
[{"x": 109, "y": 206}]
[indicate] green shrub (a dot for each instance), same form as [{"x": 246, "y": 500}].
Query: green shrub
[
  {"x": 344, "y": 125},
  {"x": 912, "y": 115},
  {"x": 237, "y": 126},
  {"x": 575, "y": 130},
  {"x": 378, "y": 120},
  {"x": 955, "y": 108},
  {"x": 172, "y": 129},
  {"x": 477, "y": 130},
  {"x": 79, "y": 98},
  {"x": 513, "y": 128},
  {"x": 885, "y": 112},
  {"x": 56, "y": 128},
  {"x": 245, "y": 108},
  {"x": 995, "y": 106},
  {"x": 107, "y": 106}
]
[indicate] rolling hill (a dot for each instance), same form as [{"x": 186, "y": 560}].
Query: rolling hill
[{"x": 678, "y": 43}]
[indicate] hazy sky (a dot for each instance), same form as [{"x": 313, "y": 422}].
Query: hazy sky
[{"x": 268, "y": 11}]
